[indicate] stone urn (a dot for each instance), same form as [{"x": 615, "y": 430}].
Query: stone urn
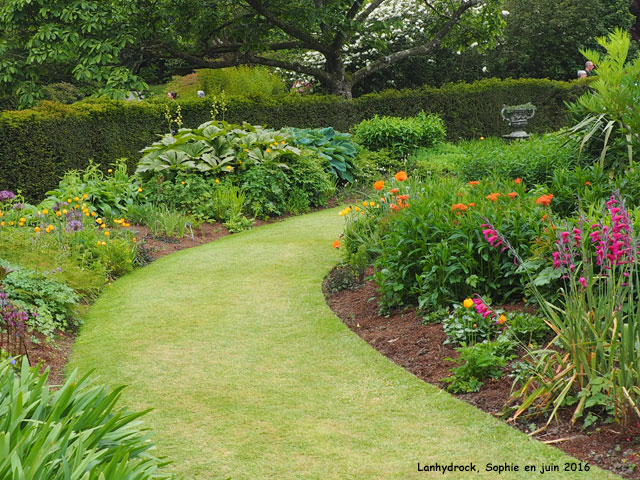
[{"x": 517, "y": 116}]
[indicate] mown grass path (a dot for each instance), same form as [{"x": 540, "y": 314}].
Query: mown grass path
[{"x": 251, "y": 376}]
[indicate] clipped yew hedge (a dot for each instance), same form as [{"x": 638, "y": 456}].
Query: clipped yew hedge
[{"x": 38, "y": 145}]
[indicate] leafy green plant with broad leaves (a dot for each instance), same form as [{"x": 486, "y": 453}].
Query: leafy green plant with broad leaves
[
  {"x": 477, "y": 363},
  {"x": 214, "y": 148},
  {"x": 610, "y": 117},
  {"x": 73, "y": 433},
  {"x": 109, "y": 194},
  {"x": 336, "y": 147}
]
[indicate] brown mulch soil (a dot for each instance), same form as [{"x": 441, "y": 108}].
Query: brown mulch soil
[{"x": 419, "y": 348}]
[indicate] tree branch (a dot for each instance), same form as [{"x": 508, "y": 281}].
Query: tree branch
[
  {"x": 338, "y": 41},
  {"x": 307, "y": 38},
  {"x": 367, "y": 11},
  {"x": 387, "y": 60},
  {"x": 236, "y": 47},
  {"x": 247, "y": 58}
]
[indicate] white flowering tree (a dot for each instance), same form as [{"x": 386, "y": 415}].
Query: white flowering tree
[{"x": 337, "y": 42}]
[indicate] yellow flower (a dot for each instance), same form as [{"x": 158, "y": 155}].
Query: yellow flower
[
  {"x": 65, "y": 211},
  {"x": 2, "y": 224},
  {"x": 49, "y": 228},
  {"x": 364, "y": 204},
  {"x": 110, "y": 171},
  {"x": 58, "y": 213},
  {"x": 76, "y": 199},
  {"x": 85, "y": 196},
  {"x": 217, "y": 180},
  {"x": 468, "y": 303},
  {"x": 357, "y": 209},
  {"x": 22, "y": 219},
  {"x": 99, "y": 243},
  {"x": 93, "y": 214},
  {"x": 86, "y": 214},
  {"x": 104, "y": 243},
  {"x": 135, "y": 240},
  {"x": 268, "y": 150},
  {"x": 371, "y": 204},
  {"x": 11, "y": 224},
  {"x": 77, "y": 205},
  {"x": 282, "y": 142},
  {"x": 45, "y": 212},
  {"x": 139, "y": 190},
  {"x": 103, "y": 226},
  {"x": 502, "y": 319},
  {"x": 246, "y": 149},
  {"x": 229, "y": 168},
  {"x": 182, "y": 182},
  {"x": 99, "y": 221},
  {"x": 69, "y": 200},
  {"x": 39, "y": 212},
  {"x": 106, "y": 233},
  {"x": 37, "y": 229},
  {"x": 21, "y": 224}
]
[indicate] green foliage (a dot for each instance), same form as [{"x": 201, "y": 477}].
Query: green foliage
[
  {"x": 433, "y": 253},
  {"x": 38, "y": 146},
  {"x": 242, "y": 81},
  {"x": 607, "y": 112},
  {"x": 265, "y": 187},
  {"x": 476, "y": 363},
  {"x": 54, "y": 302},
  {"x": 109, "y": 195},
  {"x": 78, "y": 422},
  {"x": 161, "y": 220},
  {"x": 370, "y": 166},
  {"x": 79, "y": 40},
  {"x": 214, "y": 148},
  {"x": 400, "y": 135},
  {"x": 526, "y": 329},
  {"x": 534, "y": 160},
  {"x": 335, "y": 147},
  {"x": 464, "y": 326},
  {"x": 62, "y": 92}
]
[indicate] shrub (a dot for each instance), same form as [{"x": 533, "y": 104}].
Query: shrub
[
  {"x": 78, "y": 423},
  {"x": 62, "y": 92},
  {"x": 335, "y": 147},
  {"x": 39, "y": 145},
  {"x": 242, "y": 81},
  {"x": 534, "y": 160},
  {"x": 400, "y": 135}
]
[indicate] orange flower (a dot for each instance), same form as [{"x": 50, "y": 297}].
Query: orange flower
[
  {"x": 394, "y": 190},
  {"x": 394, "y": 207},
  {"x": 336, "y": 244},
  {"x": 501, "y": 320},
  {"x": 459, "y": 207},
  {"x": 472, "y": 204},
  {"x": 517, "y": 181},
  {"x": 474, "y": 183},
  {"x": 512, "y": 195},
  {"x": 588, "y": 184},
  {"x": 401, "y": 176},
  {"x": 545, "y": 200},
  {"x": 493, "y": 196},
  {"x": 379, "y": 185},
  {"x": 403, "y": 197}
]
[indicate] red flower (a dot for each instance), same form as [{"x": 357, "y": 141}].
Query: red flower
[
  {"x": 474, "y": 183},
  {"x": 517, "y": 181},
  {"x": 336, "y": 244},
  {"x": 512, "y": 195}
]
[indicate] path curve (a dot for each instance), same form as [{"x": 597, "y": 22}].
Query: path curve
[{"x": 251, "y": 376}]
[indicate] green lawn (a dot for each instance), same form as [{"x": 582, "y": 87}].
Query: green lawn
[{"x": 251, "y": 376}]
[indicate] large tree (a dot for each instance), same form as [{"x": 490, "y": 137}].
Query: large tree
[
  {"x": 48, "y": 41},
  {"x": 277, "y": 32}
]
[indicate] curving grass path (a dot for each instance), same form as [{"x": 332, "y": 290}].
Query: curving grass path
[{"x": 252, "y": 376}]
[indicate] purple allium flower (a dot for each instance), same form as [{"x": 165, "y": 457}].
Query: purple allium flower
[
  {"x": 6, "y": 195},
  {"x": 74, "y": 226},
  {"x": 59, "y": 206},
  {"x": 74, "y": 215},
  {"x": 18, "y": 206}
]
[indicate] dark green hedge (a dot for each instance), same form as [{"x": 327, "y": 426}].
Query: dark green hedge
[{"x": 37, "y": 146}]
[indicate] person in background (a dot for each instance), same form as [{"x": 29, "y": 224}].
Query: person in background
[
  {"x": 172, "y": 95},
  {"x": 589, "y": 68},
  {"x": 582, "y": 74}
]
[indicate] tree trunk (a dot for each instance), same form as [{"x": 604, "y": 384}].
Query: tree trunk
[{"x": 338, "y": 84}]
